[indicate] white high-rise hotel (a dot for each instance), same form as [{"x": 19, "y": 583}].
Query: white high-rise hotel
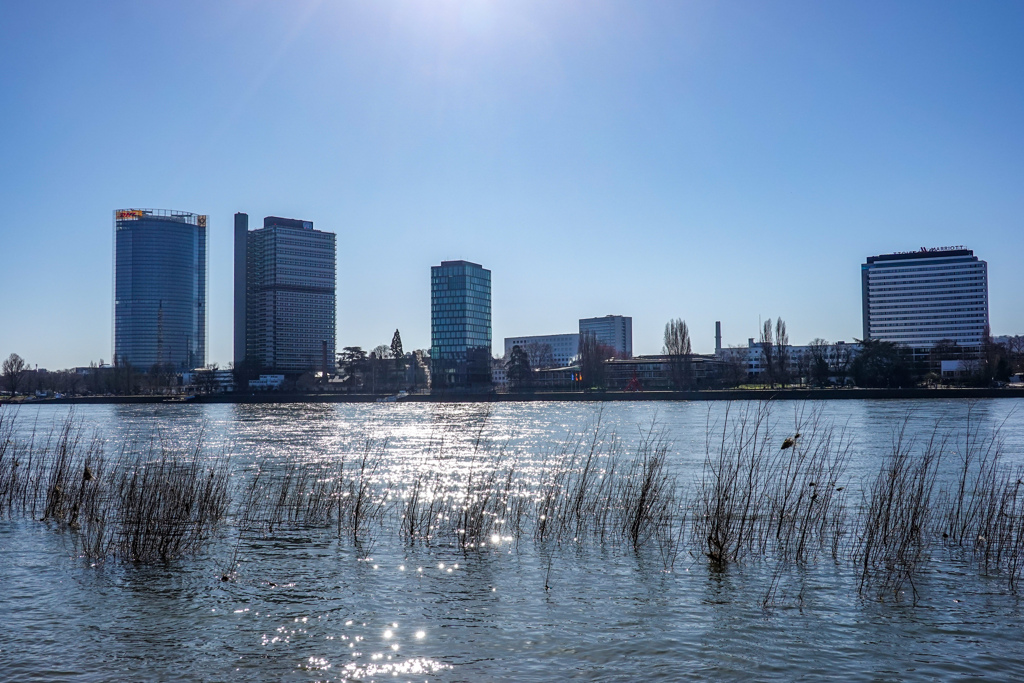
[{"x": 921, "y": 297}]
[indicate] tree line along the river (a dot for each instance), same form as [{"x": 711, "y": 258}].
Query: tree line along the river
[{"x": 387, "y": 368}]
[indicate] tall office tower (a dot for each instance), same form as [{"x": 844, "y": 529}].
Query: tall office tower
[
  {"x": 460, "y": 325},
  {"x": 614, "y": 331},
  {"x": 918, "y": 298},
  {"x": 285, "y": 298},
  {"x": 241, "y": 256},
  {"x": 159, "y": 288}
]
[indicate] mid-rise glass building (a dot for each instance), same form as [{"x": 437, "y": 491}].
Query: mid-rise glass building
[
  {"x": 919, "y": 298},
  {"x": 285, "y": 295},
  {"x": 460, "y": 325},
  {"x": 160, "y": 265}
]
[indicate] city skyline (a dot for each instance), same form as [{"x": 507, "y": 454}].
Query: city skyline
[{"x": 701, "y": 161}]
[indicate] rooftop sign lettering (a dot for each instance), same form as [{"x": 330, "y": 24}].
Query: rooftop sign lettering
[{"x": 926, "y": 250}]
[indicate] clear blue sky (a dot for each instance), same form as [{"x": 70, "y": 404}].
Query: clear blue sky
[{"x": 703, "y": 160}]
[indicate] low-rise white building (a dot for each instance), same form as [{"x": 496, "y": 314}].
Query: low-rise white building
[
  {"x": 547, "y": 350},
  {"x": 799, "y": 359},
  {"x": 499, "y": 376},
  {"x": 266, "y": 382}
]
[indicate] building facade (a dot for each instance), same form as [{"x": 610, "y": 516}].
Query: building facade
[
  {"x": 460, "y": 326},
  {"x": 654, "y": 373},
  {"x": 547, "y": 350},
  {"x": 285, "y": 296},
  {"x": 160, "y": 264},
  {"x": 613, "y": 331},
  {"x": 920, "y": 298},
  {"x": 798, "y": 359}
]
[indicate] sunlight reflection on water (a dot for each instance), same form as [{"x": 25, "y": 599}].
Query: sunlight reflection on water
[{"x": 307, "y": 606}]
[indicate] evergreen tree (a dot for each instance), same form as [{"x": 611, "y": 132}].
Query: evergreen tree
[
  {"x": 882, "y": 364},
  {"x": 399, "y": 355},
  {"x": 518, "y": 368},
  {"x": 396, "y": 345}
]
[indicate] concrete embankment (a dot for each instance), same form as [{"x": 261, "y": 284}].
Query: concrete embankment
[{"x": 717, "y": 395}]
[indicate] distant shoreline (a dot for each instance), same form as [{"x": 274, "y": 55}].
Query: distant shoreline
[{"x": 711, "y": 395}]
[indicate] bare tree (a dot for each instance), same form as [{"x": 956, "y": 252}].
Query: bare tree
[
  {"x": 819, "y": 369},
  {"x": 14, "y": 369},
  {"x": 541, "y": 355},
  {"x": 781, "y": 352},
  {"x": 677, "y": 338},
  {"x": 767, "y": 344},
  {"x": 680, "y": 352},
  {"x": 1015, "y": 349},
  {"x": 840, "y": 360},
  {"x": 593, "y": 354}
]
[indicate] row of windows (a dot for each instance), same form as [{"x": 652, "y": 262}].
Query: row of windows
[
  {"x": 928, "y": 306},
  {"x": 924, "y": 327},
  {"x": 911, "y": 339},
  {"x": 322, "y": 240},
  {"x": 463, "y": 339},
  {"x": 459, "y": 270},
  {"x": 929, "y": 316},
  {"x": 457, "y": 304},
  {"x": 939, "y": 262},
  {"x": 924, "y": 277},
  {"x": 933, "y": 310},
  {"x": 875, "y": 291},
  {"x": 480, "y": 333},
  {"x": 944, "y": 283},
  {"x": 876, "y": 271},
  {"x": 896, "y": 298},
  {"x": 462, "y": 291},
  {"x": 447, "y": 316},
  {"x": 304, "y": 261},
  {"x": 919, "y": 303}
]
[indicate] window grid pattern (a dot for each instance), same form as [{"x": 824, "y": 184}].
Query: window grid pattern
[
  {"x": 460, "y": 324},
  {"x": 290, "y": 298},
  {"x": 919, "y": 301},
  {"x": 159, "y": 288}
]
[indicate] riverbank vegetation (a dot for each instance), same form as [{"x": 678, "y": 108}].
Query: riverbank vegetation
[{"x": 765, "y": 493}]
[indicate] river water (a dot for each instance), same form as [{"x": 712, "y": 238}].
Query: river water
[{"x": 309, "y": 606}]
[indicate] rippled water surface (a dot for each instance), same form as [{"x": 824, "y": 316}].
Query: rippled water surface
[{"x": 304, "y": 605}]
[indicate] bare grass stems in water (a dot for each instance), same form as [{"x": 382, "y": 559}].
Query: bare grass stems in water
[
  {"x": 165, "y": 506},
  {"x": 756, "y": 498},
  {"x": 897, "y": 515},
  {"x": 317, "y": 494},
  {"x": 154, "y": 505},
  {"x": 764, "y": 493},
  {"x": 982, "y": 514}
]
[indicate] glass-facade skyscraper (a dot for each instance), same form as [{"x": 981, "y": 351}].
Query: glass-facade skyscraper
[
  {"x": 159, "y": 288},
  {"x": 460, "y": 325},
  {"x": 285, "y": 296}
]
